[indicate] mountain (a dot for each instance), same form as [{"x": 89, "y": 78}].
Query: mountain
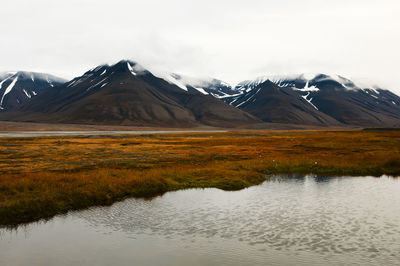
[
  {"x": 18, "y": 87},
  {"x": 212, "y": 86},
  {"x": 128, "y": 94},
  {"x": 317, "y": 99},
  {"x": 275, "y": 104}
]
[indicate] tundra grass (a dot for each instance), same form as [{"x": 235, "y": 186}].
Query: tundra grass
[{"x": 42, "y": 177}]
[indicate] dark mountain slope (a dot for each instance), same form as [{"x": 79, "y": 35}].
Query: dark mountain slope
[
  {"x": 271, "y": 103},
  {"x": 317, "y": 100},
  {"x": 18, "y": 87},
  {"x": 127, "y": 94}
]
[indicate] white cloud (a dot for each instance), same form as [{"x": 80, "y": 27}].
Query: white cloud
[{"x": 231, "y": 40}]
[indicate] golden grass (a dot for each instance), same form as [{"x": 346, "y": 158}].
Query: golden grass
[{"x": 41, "y": 177}]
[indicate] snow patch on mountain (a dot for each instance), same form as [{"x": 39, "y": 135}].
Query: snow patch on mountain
[
  {"x": 134, "y": 68},
  {"x": 198, "y": 84},
  {"x": 247, "y": 100},
  {"x": 23, "y": 85},
  {"x": 307, "y": 87},
  {"x": 3, "y": 81},
  {"x": 201, "y": 90},
  {"x": 27, "y": 94},
  {"x": 131, "y": 69},
  {"x": 8, "y": 89},
  {"x": 305, "y": 97},
  {"x": 215, "y": 87},
  {"x": 97, "y": 84},
  {"x": 205, "y": 86},
  {"x": 172, "y": 79},
  {"x": 301, "y": 82}
]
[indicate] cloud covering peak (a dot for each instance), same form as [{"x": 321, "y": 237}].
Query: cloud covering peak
[{"x": 231, "y": 40}]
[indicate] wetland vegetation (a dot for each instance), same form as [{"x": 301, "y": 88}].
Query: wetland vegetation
[{"x": 42, "y": 177}]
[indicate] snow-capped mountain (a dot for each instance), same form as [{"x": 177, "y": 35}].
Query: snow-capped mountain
[
  {"x": 212, "y": 86},
  {"x": 305, "y": 82},
  {"x": 18, "y": 87},
  {"x": 286, "y": 98},
  {"x": 126, "y": 93}
]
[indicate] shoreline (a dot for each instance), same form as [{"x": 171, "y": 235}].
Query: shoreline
[
  {"x": 6, "y": 126},
  {"x": 46, "y": 176},
  {"x": 35, "y": 134}
]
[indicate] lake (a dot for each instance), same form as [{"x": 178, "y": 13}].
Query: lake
[
  {"x": 32, "y": 134},
  {"x": 288, "y": 220}
]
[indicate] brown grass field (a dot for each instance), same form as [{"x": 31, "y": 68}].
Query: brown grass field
[{"x": 42, "y": 177}]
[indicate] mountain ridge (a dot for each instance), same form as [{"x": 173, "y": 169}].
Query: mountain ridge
[
  {"x": 127, "y": 93},
  {"x": 336, "y": 96},
  {"x": 18, "y": 87}
]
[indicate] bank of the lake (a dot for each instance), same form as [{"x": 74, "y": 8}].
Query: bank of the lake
[
  {"x": 42, "y": 177},
  {"x": 287, "y": 220}
]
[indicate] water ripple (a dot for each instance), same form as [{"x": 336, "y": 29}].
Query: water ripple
[{"x": 314, "y": 219}]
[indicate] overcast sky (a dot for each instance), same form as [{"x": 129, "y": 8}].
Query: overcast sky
[{"x": 229, "y": 39}]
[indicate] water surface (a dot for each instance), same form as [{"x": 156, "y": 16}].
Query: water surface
[
  {"x": 30, "y": 134},
  {"x": 285, "y": 221}
]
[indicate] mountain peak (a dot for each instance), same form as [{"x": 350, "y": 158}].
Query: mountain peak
[
  {"x": 121, "y": 94},
  {"x": 207, "y": 85},
  {"x": 129, "y": 66},
  {"x": 18, "y": 87},
  {"x": 317, "y": 99},
  {"x": 307, "y": 80}
]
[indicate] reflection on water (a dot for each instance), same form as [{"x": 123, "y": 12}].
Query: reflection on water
[{"x": 285, "y": 221}]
